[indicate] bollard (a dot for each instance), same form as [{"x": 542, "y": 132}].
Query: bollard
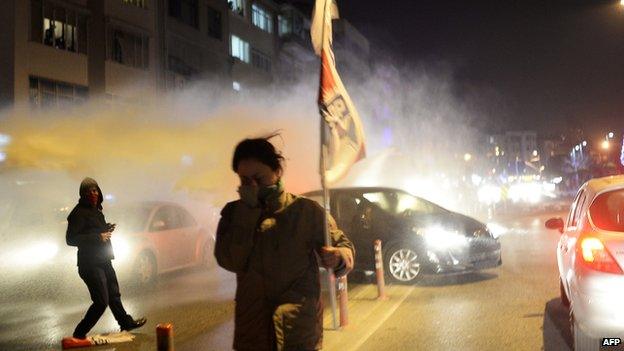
[
  {"x": 379, "y": 272},
  {"x": 344, "y": 299},
  {"x": 164, "y": 337}
]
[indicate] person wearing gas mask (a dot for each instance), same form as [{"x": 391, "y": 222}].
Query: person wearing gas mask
[
  {"x": 87, "y": 229},
  {"x": 274, "y": 242}
]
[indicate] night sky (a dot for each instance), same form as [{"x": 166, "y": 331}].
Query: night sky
[{"x": 549, "y": 65}]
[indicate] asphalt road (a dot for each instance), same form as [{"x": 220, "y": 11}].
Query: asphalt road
[{"x": 513, "y": 307}]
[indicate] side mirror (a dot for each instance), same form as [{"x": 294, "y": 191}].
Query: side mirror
[{"x": 555, "y": 223}]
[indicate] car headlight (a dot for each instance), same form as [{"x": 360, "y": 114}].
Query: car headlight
[
  {"x": 31, "y": 255},
  {"x": 121, "y": 247},
  {"x": 441, "y": 239}
]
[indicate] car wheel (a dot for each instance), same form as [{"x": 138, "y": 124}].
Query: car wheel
[
  {"x": 145, "y": 269},
  {"x": 403, "y": 264},
  {"x": 564, "y": 297},
  {"x": 580, "y": 340}
]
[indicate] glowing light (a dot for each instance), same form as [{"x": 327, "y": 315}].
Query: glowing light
[
  {"x": 496, "y": 229},
  {"x": 236, "y": 86},
  {"x": 557, "y": 180},
  {"x": 605, "y": 145},
  {"x": 577, "y": 148},
  {"x": 467, "y": 157},
  {"x": 121, "y": 247},
  {"x": 611, "y": 134},
  {"x": 109, "y": 197},
  {"x": 489, "y": 194},
  {"x": 33, "y": 255},
  {"x": 584, "y": 142},
  {"x": 440, "y": 238},
  {"x": 589, "y": 245},
  {"x": 5, "y": 139},
  {"x": 476, "y": 179},
  {"x": 535, "y": 153},
  {"x": 3, "y": 156}
]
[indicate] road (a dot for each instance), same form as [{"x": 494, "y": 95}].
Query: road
[{"x": 515, "y": 307}]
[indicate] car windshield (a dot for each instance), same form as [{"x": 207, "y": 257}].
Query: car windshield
[
  {"x": 399, "y": 203},
  {"x": 128, "y": 218},
  {"x": 607, "y": 211}
]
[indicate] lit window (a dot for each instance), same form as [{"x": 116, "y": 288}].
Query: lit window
[
  {"x": 58, "y": 27},
  {"x": 240, "y": 49},
  {"x": 284, "y": 27},
  {"x": 261, "y": 18},
  {"x": 237, "y": 6},
  {"x": 236, "y": 86}
]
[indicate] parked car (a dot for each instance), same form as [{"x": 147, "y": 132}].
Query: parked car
[
  {"x": 156, "y": 237},
  {"x": 590, "y": 257},
  {"x": 418, "y": 237}
]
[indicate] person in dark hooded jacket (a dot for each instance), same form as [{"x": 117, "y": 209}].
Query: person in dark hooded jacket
[
  {"x": 274, "y": 241},
  {"x": 87, "y": 229}
]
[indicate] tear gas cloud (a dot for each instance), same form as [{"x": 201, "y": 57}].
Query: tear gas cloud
[{"x": 179, "y": 147}]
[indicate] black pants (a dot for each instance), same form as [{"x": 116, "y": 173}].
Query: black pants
[{"x": 104, "y": 290}]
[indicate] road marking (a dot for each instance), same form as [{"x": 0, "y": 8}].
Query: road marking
[{"x": 382, "y": 318}]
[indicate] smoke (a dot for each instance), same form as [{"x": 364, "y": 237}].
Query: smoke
[{"x": 180, "y": 145}]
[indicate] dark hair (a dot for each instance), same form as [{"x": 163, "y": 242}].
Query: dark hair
[{"x": 258, "y": 149}]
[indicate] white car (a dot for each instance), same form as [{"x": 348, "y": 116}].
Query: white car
[{"x": 590, "y": 256}]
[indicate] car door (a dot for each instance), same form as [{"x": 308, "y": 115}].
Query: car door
[
  {"x": 165, "y": 233},
  {"x": 567, "y": 242},
  {"x": 189, "y": 236}
]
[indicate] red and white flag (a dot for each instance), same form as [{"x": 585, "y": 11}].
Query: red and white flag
[{"x": 342, "y": 134}]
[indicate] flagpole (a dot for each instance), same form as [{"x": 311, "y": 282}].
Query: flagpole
[{"x": 331, "y": 279}]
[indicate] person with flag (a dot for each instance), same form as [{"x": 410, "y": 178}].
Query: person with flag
[{"x": 274, "y": 242}]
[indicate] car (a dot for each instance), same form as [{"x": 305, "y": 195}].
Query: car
[
  {"x": 156, "y": 237},
  {"x": 590, "y": 258},
  {"x": 418, "y": 236}
]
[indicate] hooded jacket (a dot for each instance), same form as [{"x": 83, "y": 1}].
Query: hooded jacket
[
  {"x": 273, "y": 251},
  {"x": 85, "y": 223}
]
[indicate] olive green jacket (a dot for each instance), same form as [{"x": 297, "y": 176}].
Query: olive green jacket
[{"x": 273, "y": 251}]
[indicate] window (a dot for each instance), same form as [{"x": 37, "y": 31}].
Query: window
[
  {"x": 185, "y": 11},
  {"x": 137, "y": 3},
  {"x": 239, "y": 49},
  {"x": 607, "y": 211},
  {"x": 186, "y": 220},
  {"x": 58, "y": 27},
  {"x": 214, "y": 24},
  {"x": 237, "y": 6},
  {"x": 180, "y": 67},
  {"x": 46, "y": 93},
  {"x": 260, "y": 61},
  {"x": 129, "y": 49},
  {"x": 261, "y": 18},
  {"x": 283, "y": 26},
  {"x": 165, "y": 219},
  {"x": 577, "y": 205}
]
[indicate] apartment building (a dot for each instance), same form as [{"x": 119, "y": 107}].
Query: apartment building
[
  {"x": 57, "y": 52},
  {"x": 253, "y": 42}
]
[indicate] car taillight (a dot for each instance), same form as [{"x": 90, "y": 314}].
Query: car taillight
[{"x": 595, "y": 255}]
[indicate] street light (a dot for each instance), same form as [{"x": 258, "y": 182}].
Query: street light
[
  {"x": 585, "y": 141},
  {"x": 467, "y": 157},
  {"x": 611, "y": 134}
]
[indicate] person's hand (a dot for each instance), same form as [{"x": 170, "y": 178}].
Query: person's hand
[
  {"x": 249, "y": 195},
  {"x": 105, "y": 236},
  {"x": 111, "y": 227},
  {"x": 330, "y": 256}
]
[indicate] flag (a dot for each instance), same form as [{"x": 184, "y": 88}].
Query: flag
[{"x": 342, "y": 135}]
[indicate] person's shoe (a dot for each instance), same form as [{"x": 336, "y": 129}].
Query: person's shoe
[
  {"x": 77, "y": 336},
  {"x": 137, "y": 323}
]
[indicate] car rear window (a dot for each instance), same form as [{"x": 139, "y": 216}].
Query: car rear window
[{"x": 607, "y": 211}]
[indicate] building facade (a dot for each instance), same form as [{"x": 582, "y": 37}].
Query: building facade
[{"x": 57, "y": 52}]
